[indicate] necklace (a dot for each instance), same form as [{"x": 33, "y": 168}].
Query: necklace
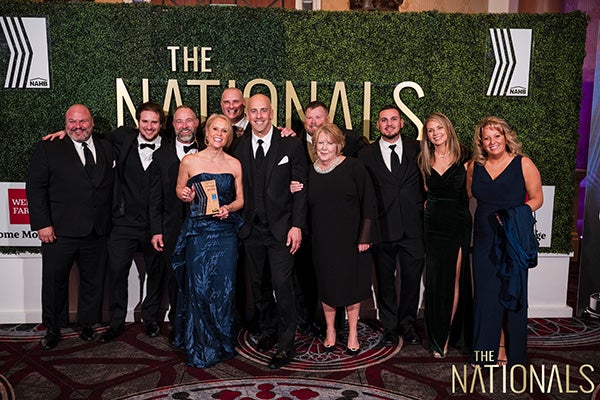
[
  {"x": 320, "y": 170},
  {"x": 442, "y": 155}
]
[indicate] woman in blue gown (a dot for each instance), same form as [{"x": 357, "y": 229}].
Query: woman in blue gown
[
  {"x": 500, "y": 178},
  {"x": 206, "y": 254}
]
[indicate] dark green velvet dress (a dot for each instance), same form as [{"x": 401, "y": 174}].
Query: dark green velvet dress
[{"x": 447, "y": 229}]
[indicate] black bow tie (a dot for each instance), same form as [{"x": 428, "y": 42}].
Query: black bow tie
[
  {"x": 149, "y": 145},
  {"x": 191, "y": 146}
]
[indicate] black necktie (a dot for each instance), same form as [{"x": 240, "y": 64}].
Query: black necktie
[
  {"x": 260, "y": 152},
  {"x": 89, "y": 159},
  {"x": 394, "y": 159},
  {"x": 149, "y": 145},
  {"x": 187, "y": 149}
]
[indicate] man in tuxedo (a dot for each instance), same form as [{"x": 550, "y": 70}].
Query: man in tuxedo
[
  {"x": 316, "y": 114},
  {"x": 131, "y": 231},
  {"x": 167, "y": 212},
  {"x": 274, "y": 220},
  {"x": 392, "y": 163},
  {"x": 69, "y": 191}
]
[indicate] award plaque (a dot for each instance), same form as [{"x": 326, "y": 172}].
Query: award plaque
[{"x": 208, "y": 198}]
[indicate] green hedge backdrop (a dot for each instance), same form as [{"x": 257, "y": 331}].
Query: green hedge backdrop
[{"x": 449, "y": 56}]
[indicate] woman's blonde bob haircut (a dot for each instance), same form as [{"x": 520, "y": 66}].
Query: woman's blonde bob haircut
[{"x": 334, "y": 133}]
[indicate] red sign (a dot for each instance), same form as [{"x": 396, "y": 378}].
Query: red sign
[{"x": 18, "y": 210}]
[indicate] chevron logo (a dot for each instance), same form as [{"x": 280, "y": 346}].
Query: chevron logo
[
  {"x": 512, "y": 52},
  {"x": 27, "y": 44}
]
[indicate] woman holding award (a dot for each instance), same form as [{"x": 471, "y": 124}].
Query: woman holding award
[{"x": 205, "y": 256}]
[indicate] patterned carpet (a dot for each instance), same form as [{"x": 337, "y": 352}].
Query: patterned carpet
[{"x": 564, "y": 355}]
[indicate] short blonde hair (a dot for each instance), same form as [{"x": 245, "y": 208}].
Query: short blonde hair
[
  {"x": 513, "y": 145},
  {"x": 335, "y": 133},
  {"x": 212, "y": 119}
]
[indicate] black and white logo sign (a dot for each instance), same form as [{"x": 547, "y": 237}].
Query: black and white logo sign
[
  {"x": 512, "y": 52},
  {"x": 25, "y": 52}
]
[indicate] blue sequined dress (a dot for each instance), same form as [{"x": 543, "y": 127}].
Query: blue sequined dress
[{"x": 204, "y": 262}]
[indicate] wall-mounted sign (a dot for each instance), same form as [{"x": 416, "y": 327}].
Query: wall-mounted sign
[
  {"x": 25, "y": 44},
  {"x": 512, "y": 52}
]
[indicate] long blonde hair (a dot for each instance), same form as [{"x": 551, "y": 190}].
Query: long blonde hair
[
  {"x": 427, "y": 155},
  {"x": 513, "y": 145}
]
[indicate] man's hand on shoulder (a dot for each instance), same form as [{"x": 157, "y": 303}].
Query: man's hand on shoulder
[
  {"x": 285, "y": 132},
  {"x": 55, "y": 135}
]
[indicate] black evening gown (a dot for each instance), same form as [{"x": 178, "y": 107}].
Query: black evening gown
[
  {"x": 343, "y": 210},
  {"x": 204, "y": 262},
  {"x": 506, "y": 191},
  {"x": 447, "y": 230}
]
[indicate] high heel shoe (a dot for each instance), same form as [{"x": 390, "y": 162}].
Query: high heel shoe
[
  {"x": 328, "y": 349},
  {"x": 352, "y": 352},
  {"x": 440, "y": 356}
]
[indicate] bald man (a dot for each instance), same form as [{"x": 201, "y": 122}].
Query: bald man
[
  {"x": 69, "y": 191},
  {"x": 274, "y": 220}
]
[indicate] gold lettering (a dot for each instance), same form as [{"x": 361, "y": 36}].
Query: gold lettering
[
  {"x": 339, "y": 90},
  {"x": 477, "y": 374},
  {"x": 587, "y": 378},
  {"x": 555, "y": 373},
  {"x": 367, "y": 110},
  {"x": 203, "y": 96},
  {"x": 205, "y": 59},
  {"x": 512, "y": 378},
  {"x": 541, "y": 383},
  {"x": 404, "y": 108},
  {"x": 173, "y": 50},
  {"x": 463, "y": 382},
  {"x": 172, "y": 89},
  {"x": 291, "y": 97}
]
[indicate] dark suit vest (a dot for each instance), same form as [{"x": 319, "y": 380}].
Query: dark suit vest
[{"x": 135, "y": 188}]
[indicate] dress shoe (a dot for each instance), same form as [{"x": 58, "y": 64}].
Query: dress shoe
[
  {"x": 111, "y": 334},
  {"x": 152, "y": 329},
  {"x": 86, "y": 332},
  {"x": 303, "y": 328},
  {"x": 411, "y": 337},
  {"x": 266, "y": 343},
  {"x": 389, "y": 339},
  {"x": 352, "y": 352},
  {"x": 50, "y": 340},
  {"x": 281, "y": 359}
]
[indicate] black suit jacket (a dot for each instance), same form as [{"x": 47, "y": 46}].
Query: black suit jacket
[
  {"x": 167, "y": 212},
  {"x": 62, "y": 195},
  {"x": 399, "y": 198},
  {"x": 353, "y": 143},
  {"x": 286, "y": 161}
]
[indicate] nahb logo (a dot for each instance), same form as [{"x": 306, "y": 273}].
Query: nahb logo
[
  {"x": 27, "y": 43},
  {"x": 512, "y": 52}
]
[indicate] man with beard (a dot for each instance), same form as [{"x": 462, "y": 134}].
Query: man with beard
[
  {"x": 69, "y": 190},
  {"x": 392, "y": 163},
  {"x": 131, "y": 231},
  {"x": 167, "y": 212}
]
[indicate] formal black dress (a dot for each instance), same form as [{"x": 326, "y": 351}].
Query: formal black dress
[
  {"x": 204, "y": 262},
  {"x": 447, "y": 231},
  {"x": 504, "y": 192},
  {"x": 343, "y": 209}
]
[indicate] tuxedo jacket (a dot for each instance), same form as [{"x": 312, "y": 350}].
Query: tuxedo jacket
[
  {"x": 125, "y": 144},
  {"x": 400, "y": 196},
  {"x": 353, "y": 143},
  {"x": 61, "y": 194},
  {"x": 286, "y": 161},
  {"x": 167, "y": 211}
]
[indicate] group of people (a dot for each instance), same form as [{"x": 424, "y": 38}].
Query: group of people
[{"x": 241, "y": 201}]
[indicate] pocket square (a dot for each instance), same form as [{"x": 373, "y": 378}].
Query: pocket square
[{"x": 284, "y": 160}]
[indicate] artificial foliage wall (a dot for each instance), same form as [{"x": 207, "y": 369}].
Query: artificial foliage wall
[{"x": 112, "y": 57}]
